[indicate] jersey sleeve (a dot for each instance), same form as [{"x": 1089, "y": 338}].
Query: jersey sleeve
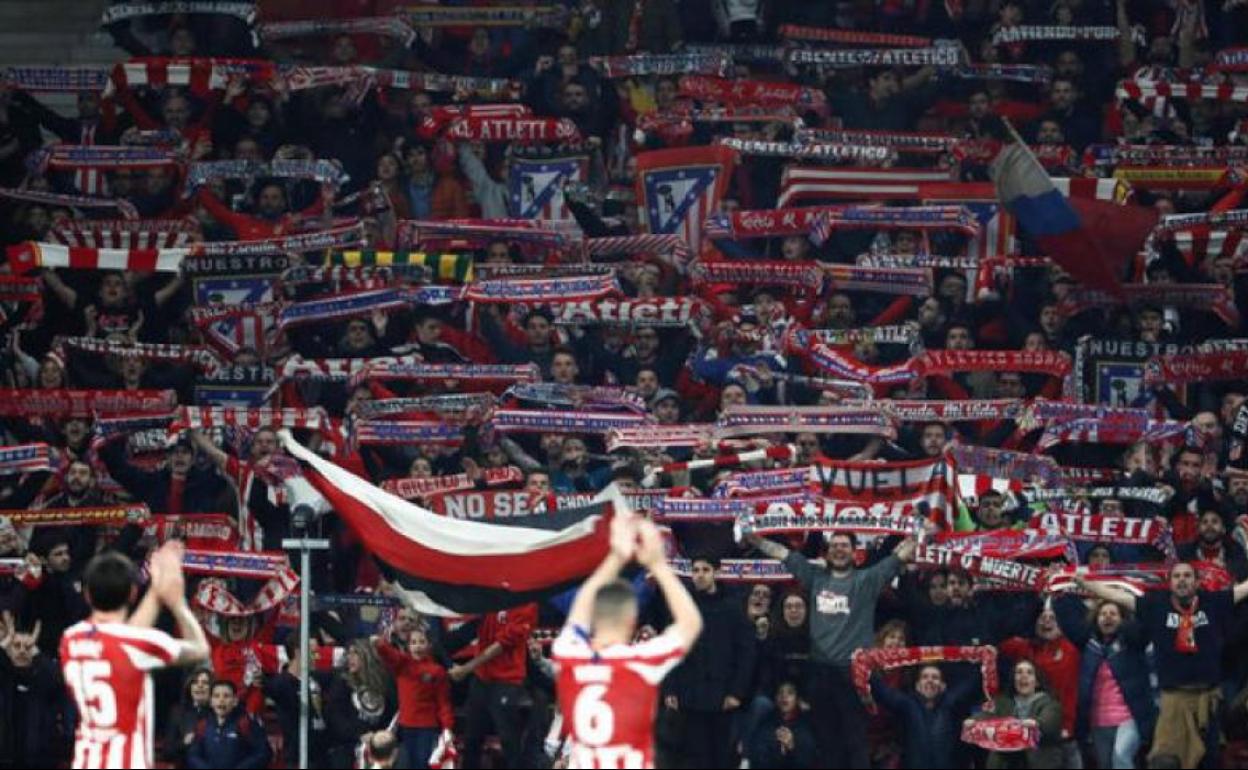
[
  {"x": 571, "y": 644},
  {"x": 654, "y": 659}
]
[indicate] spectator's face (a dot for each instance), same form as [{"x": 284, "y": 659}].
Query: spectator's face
[
  {"x": 51, "y": 375},
  {"x": 537, "y": 330},
  {"x": 953, "y": 289},
  {"x": 78, "y": 479},
  {"x": 552, "y": 445},
  {"x": 177, "y": 113},
  {"x": 807, "y": 447},
  {"x": 1068, "y": 64},
  {"x": 646, "y": 342},
  {"x": 933, "y": 440},
  {"x": 272, "y": 201},
  {"x": 647, "y": 383},
  {"x": 1035, "y": 343},
  {"x": 930, "y": 684},
  {"x": 75, "y": 432},
  {"x": 574, "y": 452},
  {"x": 990, "y": 512},
  {"x": 937, "y": 590},
  {"x": 958, "y": 338},
  {"x": 22, "y": 651},
  {"x": 258, "y": 114},
  {"x": 429, "y": 331},
  {"x": 538, "y": 484},
  {"x": 358, "y": 335},
  {"x": 1047, "y": 627},
  {"x": 1237, "y": 489},
  {"x": 132, "y": 369},
  {"x": 840, "y": 312},
  {"x": 1051, "y": 319},
  {"x": 1024, "y": 678},
  {"x": 497, "y": 254},
  {"x": 263, "y": 445},
  {"x": 418, "y": 644},
  {"x": 1188, "y": 469},
  {"x": 563, "y": 369},
  {"x": 795, "y": 247},
  {"x": 566, "y": 56},
  {"x": 959, "y": 589},
  {"x": 387, "y": 168},
  {"x": 344, "y": 50},
  {"x": 354, "y": 663},
  {"x": 1010, "y": 385},
  {"x": 1050, "y": 132},
  {"x": 1230, "y": 405},
  {"x": 667, "y": 411},
  {"x": 840, "y": 553},
  {"x": 894, "y": 639},
  {"x": 181, "y": 458},
  {"x": 247, "y": 149},
  {"x": 931, "y": 314},
  {"x": 1108, "y": 619},
  {"x": 1063, "y": 96},
  {"x": 703, "y": 576},
  {"x": 182, "y": 42},
  {"x": 760, "y": 600},
  {"x": 794, "y": 611},
  {"x": 665, "y": 94},
  {"x": 417, "y": 160},
  {"x": 479, "y": 45},
  {"x": 979, "y": 107},
  {"x": 1212, "y": 528},
  {"x": 732, "y": 395},
  {"x": 575, "y": 98},
  {"x": 786, "y": 699},
  {"x": 223, "y": 701},
  {"x": 9, "y": 543},
  {"x": 201, "y": 688},
  {"x": 1100, "y": 557},
  {"x": 420, "y": 468},
  {"x": 113, "y": 290},
  {"x": 59, "y": 559},
  {"x": 1183, "y": 581},
  {"x": 885, "y": 85},
  {"x": 1207, "y": 423},
  {"x": 1160, "y": 51}
]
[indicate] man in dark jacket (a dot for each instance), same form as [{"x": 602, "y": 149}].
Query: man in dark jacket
[
  {"x": 1213, "y": 544},
  {"x": 231, "y": 737},
  {"x": 931, "y": 716},
  {"x": 710, "y": 686},
  {"x": 179, "y": 487},
  {"x": 34, "y": 708}
]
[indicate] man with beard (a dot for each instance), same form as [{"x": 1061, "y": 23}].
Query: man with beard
[
  {"x": 1188, "y": 628},
  {"x": 259, "y": 515},
  {"x": 1214, "y": 545},
  {"x": 842, "y": 599},
  {"x": 1192, "y": 489},
  {"x": 272, "y": 216},
  {"x": 79, "y": 490},
  {"x": 179, "y": 487}
]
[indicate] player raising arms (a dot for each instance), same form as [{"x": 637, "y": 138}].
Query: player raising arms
[
  {"x": 105, "y": 659},
  {"x": 608, "y": 688}
]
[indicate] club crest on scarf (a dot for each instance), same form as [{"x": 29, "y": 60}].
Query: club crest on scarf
[{"x": 680, "y": 189}]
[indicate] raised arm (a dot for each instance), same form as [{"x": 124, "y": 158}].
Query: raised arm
[
  {"x": 623, "y": 542},
  {"x": 769, "y": 548},
  {"x": 1122, "y": 598},
  {"x": 1239, "y": 592},
  {"x": 169, "y": 584},
  {"x": 218, "y": 457},
  {"x": 686, "y": 618}
]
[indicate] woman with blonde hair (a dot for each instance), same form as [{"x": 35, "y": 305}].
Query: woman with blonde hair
[{"x": 360, "y": 701}]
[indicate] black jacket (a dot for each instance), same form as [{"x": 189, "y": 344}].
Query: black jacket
[
  {"x": 764, "y": 749},
  {"x": 201, "y": 493},
  {"x": 721, "y": 663},
  {"x": 34, "y": 714}
]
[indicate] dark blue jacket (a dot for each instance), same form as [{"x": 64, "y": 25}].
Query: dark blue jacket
[
  {"x": 931, "y": 734},
  {"x": 1125, "y": 655},
  {"x": 238, "y": 742}
]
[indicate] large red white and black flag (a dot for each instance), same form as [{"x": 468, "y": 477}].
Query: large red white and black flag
[{"x": 456, "y": 567}]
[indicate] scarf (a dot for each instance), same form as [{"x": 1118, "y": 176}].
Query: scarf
[
  {"x": 56, "y": 79},
  {"x": 62, "y": 157},
  {"x": 1105, "y": 529},
  {"x": 363, "y": 303},
  {"x": 852, "y": 37},
  {"x": 756, "y": 483},
  {"x": 1231, "y": 60},
  {"x": 60, "y": 200},
  {"x": 1214, "y": 298},
  {"x": 1001, "y": 571},
  {"x": 937, "y": 56},
  {"x": 903, "y": 141},
  {"x": 26, "y": 257},
  {"x": 900, "y": 334},
  {"x": 508, "y": 130},
  {"x": 782, "y": 453},
  {"x": 1093, "y": 431},
  {"x": 1182, "y": 368},
  {"x": 1009, "y": 544},
  {"x": 539, "y": 421},
  {"x": 819, "y": 221},
  {"x": 1017, "y": 73},
  {"x": 538, "y": 290},
  {"x": 324, "y": 172},
  {"x": 334, "y": 279},
  {"x": 739, "y": 570},
  {"x": 405, "y": 433},
  {"x": 868, "y": 660},
  {"x": 673, "y": 246},
  {"x": 972, "y": 410},
  {"x": 1002, "y": 464},
  {"x": 1103, "y": 155},
  {"x": 211, "y": 531},
  {"x": 127, "y": 234},
  {"x": 395, "y": 27},
  {"x": 258, "y": 565},
  {"x": 752, "y": 93},
  {"x": 809, "y": 149},
  {"x": 200, "y": 75},
  {"x": 1135, "y": 578},
  {"x": 653, "y": 436},
  {"x": 214, "y": 597},
  {"x": 422, "y": 372},
  {"x": 577, "y": 396},
  {"x": 333, "y": 238},
  {"x": 1028, "y": 33},
  {"x": 454, "y": 268},
  {"x": 827, "y": 515},
  {"x": 61, "y": 403},
  {"x": 414, "y": 231},
  {"x": 669, "y": 312},
  {"x": 758, "y": 420},
  {"x": 546, "y": 16},
  {"x": 464, "y": 407},
  {"x": 25, "y": 458},
  {"x": 800, "y": 275},
  {"x": 1001, "y": 734},
  {"x": 1138, "y": 90},
  {"x": 742, "y": 53},
  {"x": 251, "y": 418},
  {"x": 200, "y": 356},
  {"x": 95, "y": 516},
  {"x": 644, "y": 65},
  {"x": 410, "y": 489},
  {"x": 1169, "y": 178},
  {"x": 243, "y": 11},
  {"x": 1185, "y": 634}
]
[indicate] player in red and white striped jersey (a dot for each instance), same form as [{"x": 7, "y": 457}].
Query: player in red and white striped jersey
[
  {"x": 106, "y": 658},
  {"x": 608, "y": 688}
]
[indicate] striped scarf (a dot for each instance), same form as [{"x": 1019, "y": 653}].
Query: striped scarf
[
  {"x": 214, "y": 597},
  {"x": 127, "y": 234},
  {"x": 509, "y": 130},
  {"x": 937, "y": 56},
  {"x": 667, "y": 312},
  {"x": 540, "y": 421},
  {"x": 640, "y": 65},
  {"x": 1001, "y": 734},
  {"x": 1094, "y": 431},
  {"x": 1003, "y": 464},
  {"x": 752, "y": 93},
  {"x": 810, "y": 149},
  {"x": 112, "y": 515},
  {"x": 84, "y": 403},
  {"x": 1215, "y": 298},
  {"x": 243, "y": 11},
  {"x": 972, "y": 410},
  {"x": 538, "y": 290},
  {"x": 456, "y": 268},
  {"x": 56, "y": 79},
  {"x": 543, "y": 16},
  {"x": 1029, "y": 33},
  {"x": 868, "y": 660},
  {"x": 25, "y": 257},
  {"x": 396, "y": 27},
  {"x": 61, "y": 157},
  {"x": 342, "y": 237},
  {"x": 449, "y": 406},
  {"x": 320, "y": 171},
  {"x": 414, "y": 231},
  {"x": 758, "y": 420},
  {"x": 902, "y": 141},
  {"x": 405, "y": 433},
  {"x": 577, "y": 396},
  {"x": 651, "y": 436},
  {"x": 1141, "y": 89},
  {"x": 422, "y": 372},
  {"x": 201, "y": 357},
  {"x": 1016, "y": 73},
  {"x": 201, "y": 74},
  {"x": 360, "y": 278},
  {"x": 673, "y": 246},
  {"x": 363, "y": 303},
  {"x": 1181, "y": 368},
  {"x": 1231, "y": 60},
  {"x": 251, "y": 418},
  {"x": 801, "y": 275},
  {"x": 25, "y": 458},
  {"x": 409, "y": 489}
]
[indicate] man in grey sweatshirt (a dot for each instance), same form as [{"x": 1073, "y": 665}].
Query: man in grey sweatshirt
[{"x": 842, "y": 603}]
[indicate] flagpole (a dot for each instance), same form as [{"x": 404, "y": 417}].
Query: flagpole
[{"x": 302, "y": 515}]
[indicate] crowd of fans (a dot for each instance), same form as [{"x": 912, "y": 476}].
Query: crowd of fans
[{"x": 1107, "y": 677}]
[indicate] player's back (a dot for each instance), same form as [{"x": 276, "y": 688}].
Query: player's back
[
  {"x": 609, "y": 697},
  {"x": 105, "y": 667}
]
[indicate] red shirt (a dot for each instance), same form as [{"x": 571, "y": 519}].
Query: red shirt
[
  {"x": 424, "y": 689},
  {"x": 608, "y": 697},
  {"x": 105, "y": 667},
  {"x": 511, "y": 629},
  {"x": 1058, "y": 660}
]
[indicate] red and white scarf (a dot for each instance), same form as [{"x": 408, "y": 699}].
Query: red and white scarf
[
  {"x": 127, "y": 234},
  {"x": 200, "y": 356},
  {"x": 752, "y": 93},
  {"x": 1032, "y": 33},
  {"x": 396, "y": 27},
  {"x": 84, "y": 403},
  {"x": 410, "y": 489},
  {"x": 1138, "y": 90},
  {"x": 650, "y": 436},
  {"x": 646, "y": 64},
  {"x": 509, "y": 130},
  {"x": 810, "y": 149},
  {"x": 1001, "y": 734},
  {"x": 1182, "y": 368},
  {"x": 757, "y": 420},
  {"x": 124, "y": 207},
  {"x": 1000, "y": 571},
  {"x": 214, "y": 597},
  {"x": 851, "y": 37},
  {"x": 29, "y": 256},
  {"x": 868, "y": 660}
]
